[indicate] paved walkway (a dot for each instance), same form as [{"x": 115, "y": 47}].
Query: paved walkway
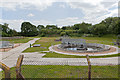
[
  {"x": 36, "y": 59},
  {"x": 10, "y": 58}
]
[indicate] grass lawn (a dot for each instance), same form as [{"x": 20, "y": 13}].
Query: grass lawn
[
  {"x": 57, "y": 55},
  {"x": 26, "y": 39},
  {"x": 66, "y": 71},
  {"x": 48, "y": 41},
  {"x": 101, "y": 40},
  {"x": 45, "y": 42}
]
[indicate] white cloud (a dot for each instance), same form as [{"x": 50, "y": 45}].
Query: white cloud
[
  {"x": 41, "y": 22},
  {"x": 13, "y": 24},
  {"x": 95, "y": 11},
  {"x": 68, "y": 21},
  {"x": 62, "y": 6},
  {"x": 26, "y": 4},
  {"x": 30, "y": 15}
]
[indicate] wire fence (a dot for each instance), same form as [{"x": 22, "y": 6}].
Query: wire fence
[{"x": 65, "y": 69}]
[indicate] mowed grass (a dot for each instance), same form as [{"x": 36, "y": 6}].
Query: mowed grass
[
  {"x": 101, "y": 40},
  {"x": 66, "y": 71},
  {"x": 48, "y": 41},
  {"x": 45, "y": 42},
  {"x": 57, "y": 55},
  {"x": 24, "y": 40}
]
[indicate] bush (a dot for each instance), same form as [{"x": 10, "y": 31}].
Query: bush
[
  {"x": 62, "y": 33},
  {"x": 42, "y": 35}
]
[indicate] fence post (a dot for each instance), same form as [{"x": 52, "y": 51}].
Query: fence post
[
  {"x": 89, "y": 67},
  {"x": 18, "y": 67},
  {"x": 6, "y": 69}
]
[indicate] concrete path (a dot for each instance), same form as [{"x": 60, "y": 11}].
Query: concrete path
[
  {"x": 68, "y": 61},
  {"x": 36, "y": 59},
  {"x": 119, "y": 50},
  {"x": 10, "y": 58}
]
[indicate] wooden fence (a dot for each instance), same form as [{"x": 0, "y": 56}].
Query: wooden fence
[
  {"x": 89, "y": 67},
  {"x": 6, "y": 69},
  {"x": 18, "y": 67}
]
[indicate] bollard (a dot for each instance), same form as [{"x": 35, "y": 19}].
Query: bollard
[{"x": 30, "y": 45}]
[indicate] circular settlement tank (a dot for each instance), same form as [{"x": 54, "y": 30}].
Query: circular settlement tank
[{"x": 80, "y": 45}]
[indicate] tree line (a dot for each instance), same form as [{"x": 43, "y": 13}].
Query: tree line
[
  {"x": 110, "y": 25},
  {"x": 5, "y": 31}
]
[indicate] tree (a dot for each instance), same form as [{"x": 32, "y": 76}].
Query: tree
[
  {"x": 51, "y": 27},
  {"x": 62, "y": 33},
  {"x": 39, "y": 27},
  {"x": 63, "y": 28},
  {"x": 10, "y": 33},
  {"x": 15, "y": 33},
  {"x": 99, "y": 29},
  {"x": 83, "y": 27},
  {"x": 7, "y": 30},
  {"x": 112, "y": 25},
  {"x": 117, "y": 27},
  {"x": 27, "y": 29},
  {"x": 76, "y": 26},
  {"x": 5, "y": 24}
]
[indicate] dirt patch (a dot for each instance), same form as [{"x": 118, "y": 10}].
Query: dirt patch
[{"x": 7, "y": 49}]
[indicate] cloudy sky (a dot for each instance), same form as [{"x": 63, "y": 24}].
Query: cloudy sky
[{"x": 57, "y": 12}]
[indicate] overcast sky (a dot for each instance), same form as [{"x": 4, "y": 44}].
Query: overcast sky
[{"x": 58, "y": 12}]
